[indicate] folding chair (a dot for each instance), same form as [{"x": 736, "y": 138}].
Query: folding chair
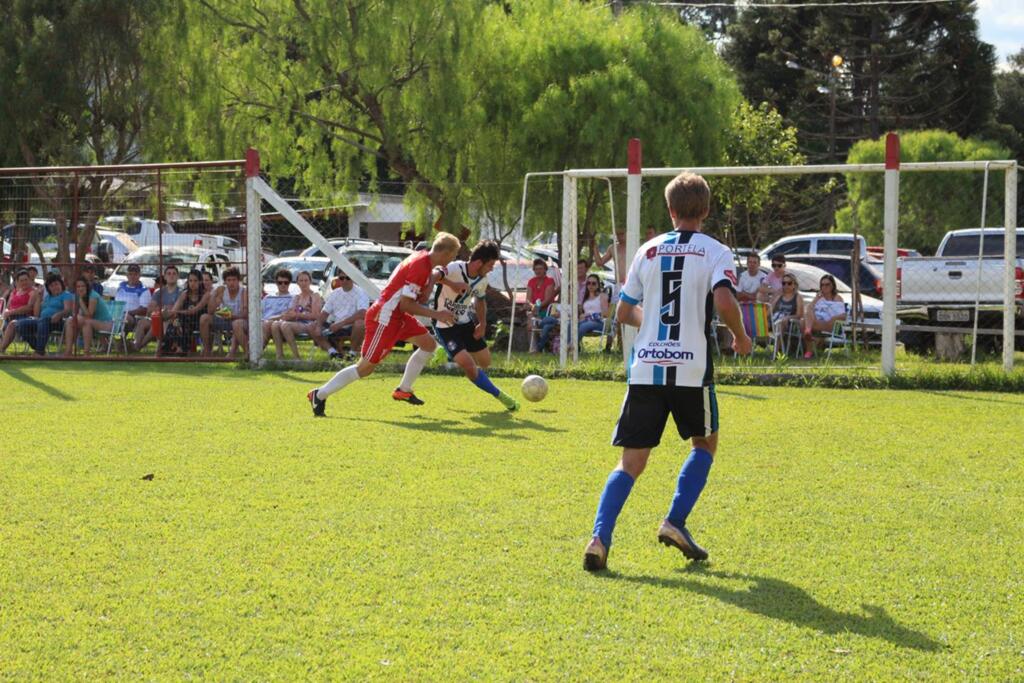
[
  {"x": 783, "y": 334},
  {"x": 838, "y": 337},
  {"x": 757, "y": 321},
  {"x": 117, "y": 316}
]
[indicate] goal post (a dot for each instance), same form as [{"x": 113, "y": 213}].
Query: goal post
[{"x": 891, "y": 168}]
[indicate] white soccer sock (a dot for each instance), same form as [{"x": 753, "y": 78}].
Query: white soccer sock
[
  {"x": 413, "y": 367},
  {"x": 338, "y": 382}
]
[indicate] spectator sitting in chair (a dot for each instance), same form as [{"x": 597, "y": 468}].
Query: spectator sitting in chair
[
  {"x": 773, "y": 281},
  {"x": 93, "y": 315},
  {"x": 343, "y": 315},
  {"x": 301, "y": 318},
  {"x": 50, "y": 313},
  {"x": 20, "y": 304},
  {"x": 752, "y": 282},
  {"x": 135, "y": 296},
  {"x": 274, "y": 305},
  {"x": 33, "y": 274},
  {"x": 540, "y": 290},
  {"x": 787, "y": 307},
  {"x": 827, "y": 308},
  {"x": 189, "y": 307},
  {"x": 228, "y": 312},
  {"x": 89, "y": 273},
  {"x": 162, "y": 301},
  {"x": 593, "y": 307}
]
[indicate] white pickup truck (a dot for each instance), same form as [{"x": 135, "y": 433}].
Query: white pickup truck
[
  {"x": 146, "y": 232},
  {"x": 945, "y": 289}
]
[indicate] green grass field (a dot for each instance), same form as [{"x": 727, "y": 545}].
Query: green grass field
[{"x": 854, "y": 535}]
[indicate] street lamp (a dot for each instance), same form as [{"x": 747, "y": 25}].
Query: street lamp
[{"x": 829, "y": 88}]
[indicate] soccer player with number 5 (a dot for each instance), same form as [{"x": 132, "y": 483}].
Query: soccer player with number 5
[{"x": 675, "y": 282}]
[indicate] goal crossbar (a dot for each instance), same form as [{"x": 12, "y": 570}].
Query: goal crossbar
[{"x": 792, "y": 170}]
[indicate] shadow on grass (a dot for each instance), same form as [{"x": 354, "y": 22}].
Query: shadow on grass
[
  {"x": 778, "y": 599},
  {"x": 19, "y": 375},
  {"x": 961, "y": 397},
  {"x": 500, "y": 425},
  {"x": 737, "y": 394}
]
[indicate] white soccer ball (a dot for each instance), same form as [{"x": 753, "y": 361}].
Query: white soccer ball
[{"x": 535, "y": 388}]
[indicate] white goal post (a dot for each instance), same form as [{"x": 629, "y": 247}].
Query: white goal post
[{"x": 891, "y": 168}]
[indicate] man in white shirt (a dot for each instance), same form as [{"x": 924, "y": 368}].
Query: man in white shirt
[
  {"x": 670, "y": 289},
  {"x": 751, "y": 280},
  {"x": 343, "y": 315},
  {"x": 135, "y": 296}
]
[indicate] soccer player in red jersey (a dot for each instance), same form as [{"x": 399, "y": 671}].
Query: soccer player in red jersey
[{"x": 390, "y": 319}]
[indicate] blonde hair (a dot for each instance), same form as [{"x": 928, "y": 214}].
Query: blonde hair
[
  {"x": 688, "y": 196},
  {"x": 445, "y": 242}
]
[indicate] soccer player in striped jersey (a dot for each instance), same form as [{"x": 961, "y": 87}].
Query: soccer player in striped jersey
[
  {"x": 463, "y": 340},
  {"x": 390, "y": 319},
  {"x": 673, "y": 285}
]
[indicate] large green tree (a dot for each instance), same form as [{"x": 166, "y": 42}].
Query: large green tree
[
  {"x": 72, "y": 91},
  {"x": 456, "y": 99},
  {"x": 930, "y": 203}
]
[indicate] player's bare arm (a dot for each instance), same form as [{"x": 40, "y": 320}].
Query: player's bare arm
[
  {"x": 481, "y": 316},
  {"x": 729, "y": 312},
  {"x": 630, "y": 314}
]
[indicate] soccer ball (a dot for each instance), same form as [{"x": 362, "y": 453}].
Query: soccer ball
[{"x": 535, "y": 388}]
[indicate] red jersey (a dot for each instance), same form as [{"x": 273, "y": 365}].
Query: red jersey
[{"x": 409, "y": 279}]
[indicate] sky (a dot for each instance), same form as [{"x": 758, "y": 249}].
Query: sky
[{"x": 1002, "y": 24}]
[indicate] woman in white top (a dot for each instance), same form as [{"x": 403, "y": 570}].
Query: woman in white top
[
  {"x": 824, "y": 311},
  {"x": 593, "y": 307},
  {"x": 300, "y": 318}
]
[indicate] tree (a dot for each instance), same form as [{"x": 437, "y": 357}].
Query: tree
[
  {"x": 922, "y": 220},
  {"x": 458, "y": 99},
  {"x": 72, "y": 92}
]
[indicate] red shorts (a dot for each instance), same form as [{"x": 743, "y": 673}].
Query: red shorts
[{"x": 380, "y": 338}]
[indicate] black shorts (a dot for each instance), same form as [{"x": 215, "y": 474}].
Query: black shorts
[
  {"x": 459, "y": 338},
  {"x": 646, "y": 408},
  {"x": 339, "y": 335}
]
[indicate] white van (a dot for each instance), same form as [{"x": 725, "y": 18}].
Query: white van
[{"x": 837, "y": 243}]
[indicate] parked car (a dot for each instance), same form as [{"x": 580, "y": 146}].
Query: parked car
[
  {"x": 147, "y": 232},
  {"x": 314, "y": 265},
  {"x": 945, "y": 289},
  {"x": 340, "y": 243},
  {"x": 817, "y": 243},
  {"x": 373, "y": 260},
  {"x": 870, "y": 274},
  {"x": 150, "y": 260}
]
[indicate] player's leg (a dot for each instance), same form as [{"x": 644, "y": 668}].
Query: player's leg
[
  {"x": 425, "y": 347},
  {"x": 695, "y": 411},
  {"x": 643, "y": 417},
  {"x": 477, "y": 355},
  {"x": 376, "y": 346}
]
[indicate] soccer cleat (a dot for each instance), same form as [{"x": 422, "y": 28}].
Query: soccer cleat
[
  {"x": 406, "y": 396},
  {"x": 595, "y": 557},
  {"x": 670, "y": 534},
  {"x": 510, "y": 403},
  {"x": 318, "y": 403}
]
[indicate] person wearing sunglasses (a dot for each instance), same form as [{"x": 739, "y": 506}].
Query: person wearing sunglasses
[
  {"x": 342, "y": 317},
  {"x": 274, "y": 305},
  {"x": 787, "y": 309},
  {"x": 593, "y": 307},
  {"x": 827, "y": 308},
  {"x": 772, "y": 285}
]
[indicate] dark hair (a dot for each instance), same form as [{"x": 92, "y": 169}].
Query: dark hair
[
  {"x": 540, "y": 262},
  {"x": 88, "y": 268},
  {"x": 54, "y": 277},
  {"x": 283, "y": 272},
  {"x": 169, "y": 266},
  {"x": 21, "y": 271},
  {"x": 199, "y": 276},
  {"x": 31, "y": 269},
  {"x": 586, "y": 290},
  {"x": 832, "y": 280},
  {"x": 781, "y": 258},
  {"x": 485, "y": 251},
  {"x": 88, "y": 290},
  {"x": 583, "y": 261},
  {"x": 231, "y": 272}
]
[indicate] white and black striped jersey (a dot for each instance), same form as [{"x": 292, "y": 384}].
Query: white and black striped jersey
[
  {"x": 672, "y": 276},
  {"x": 446, "y": 298}
]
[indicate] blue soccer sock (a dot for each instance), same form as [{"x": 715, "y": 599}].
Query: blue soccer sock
[
  {"x": 484, "y": 382},
  {"x": 616, "y": 490},
  {"x": 692, "y": 477}
]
